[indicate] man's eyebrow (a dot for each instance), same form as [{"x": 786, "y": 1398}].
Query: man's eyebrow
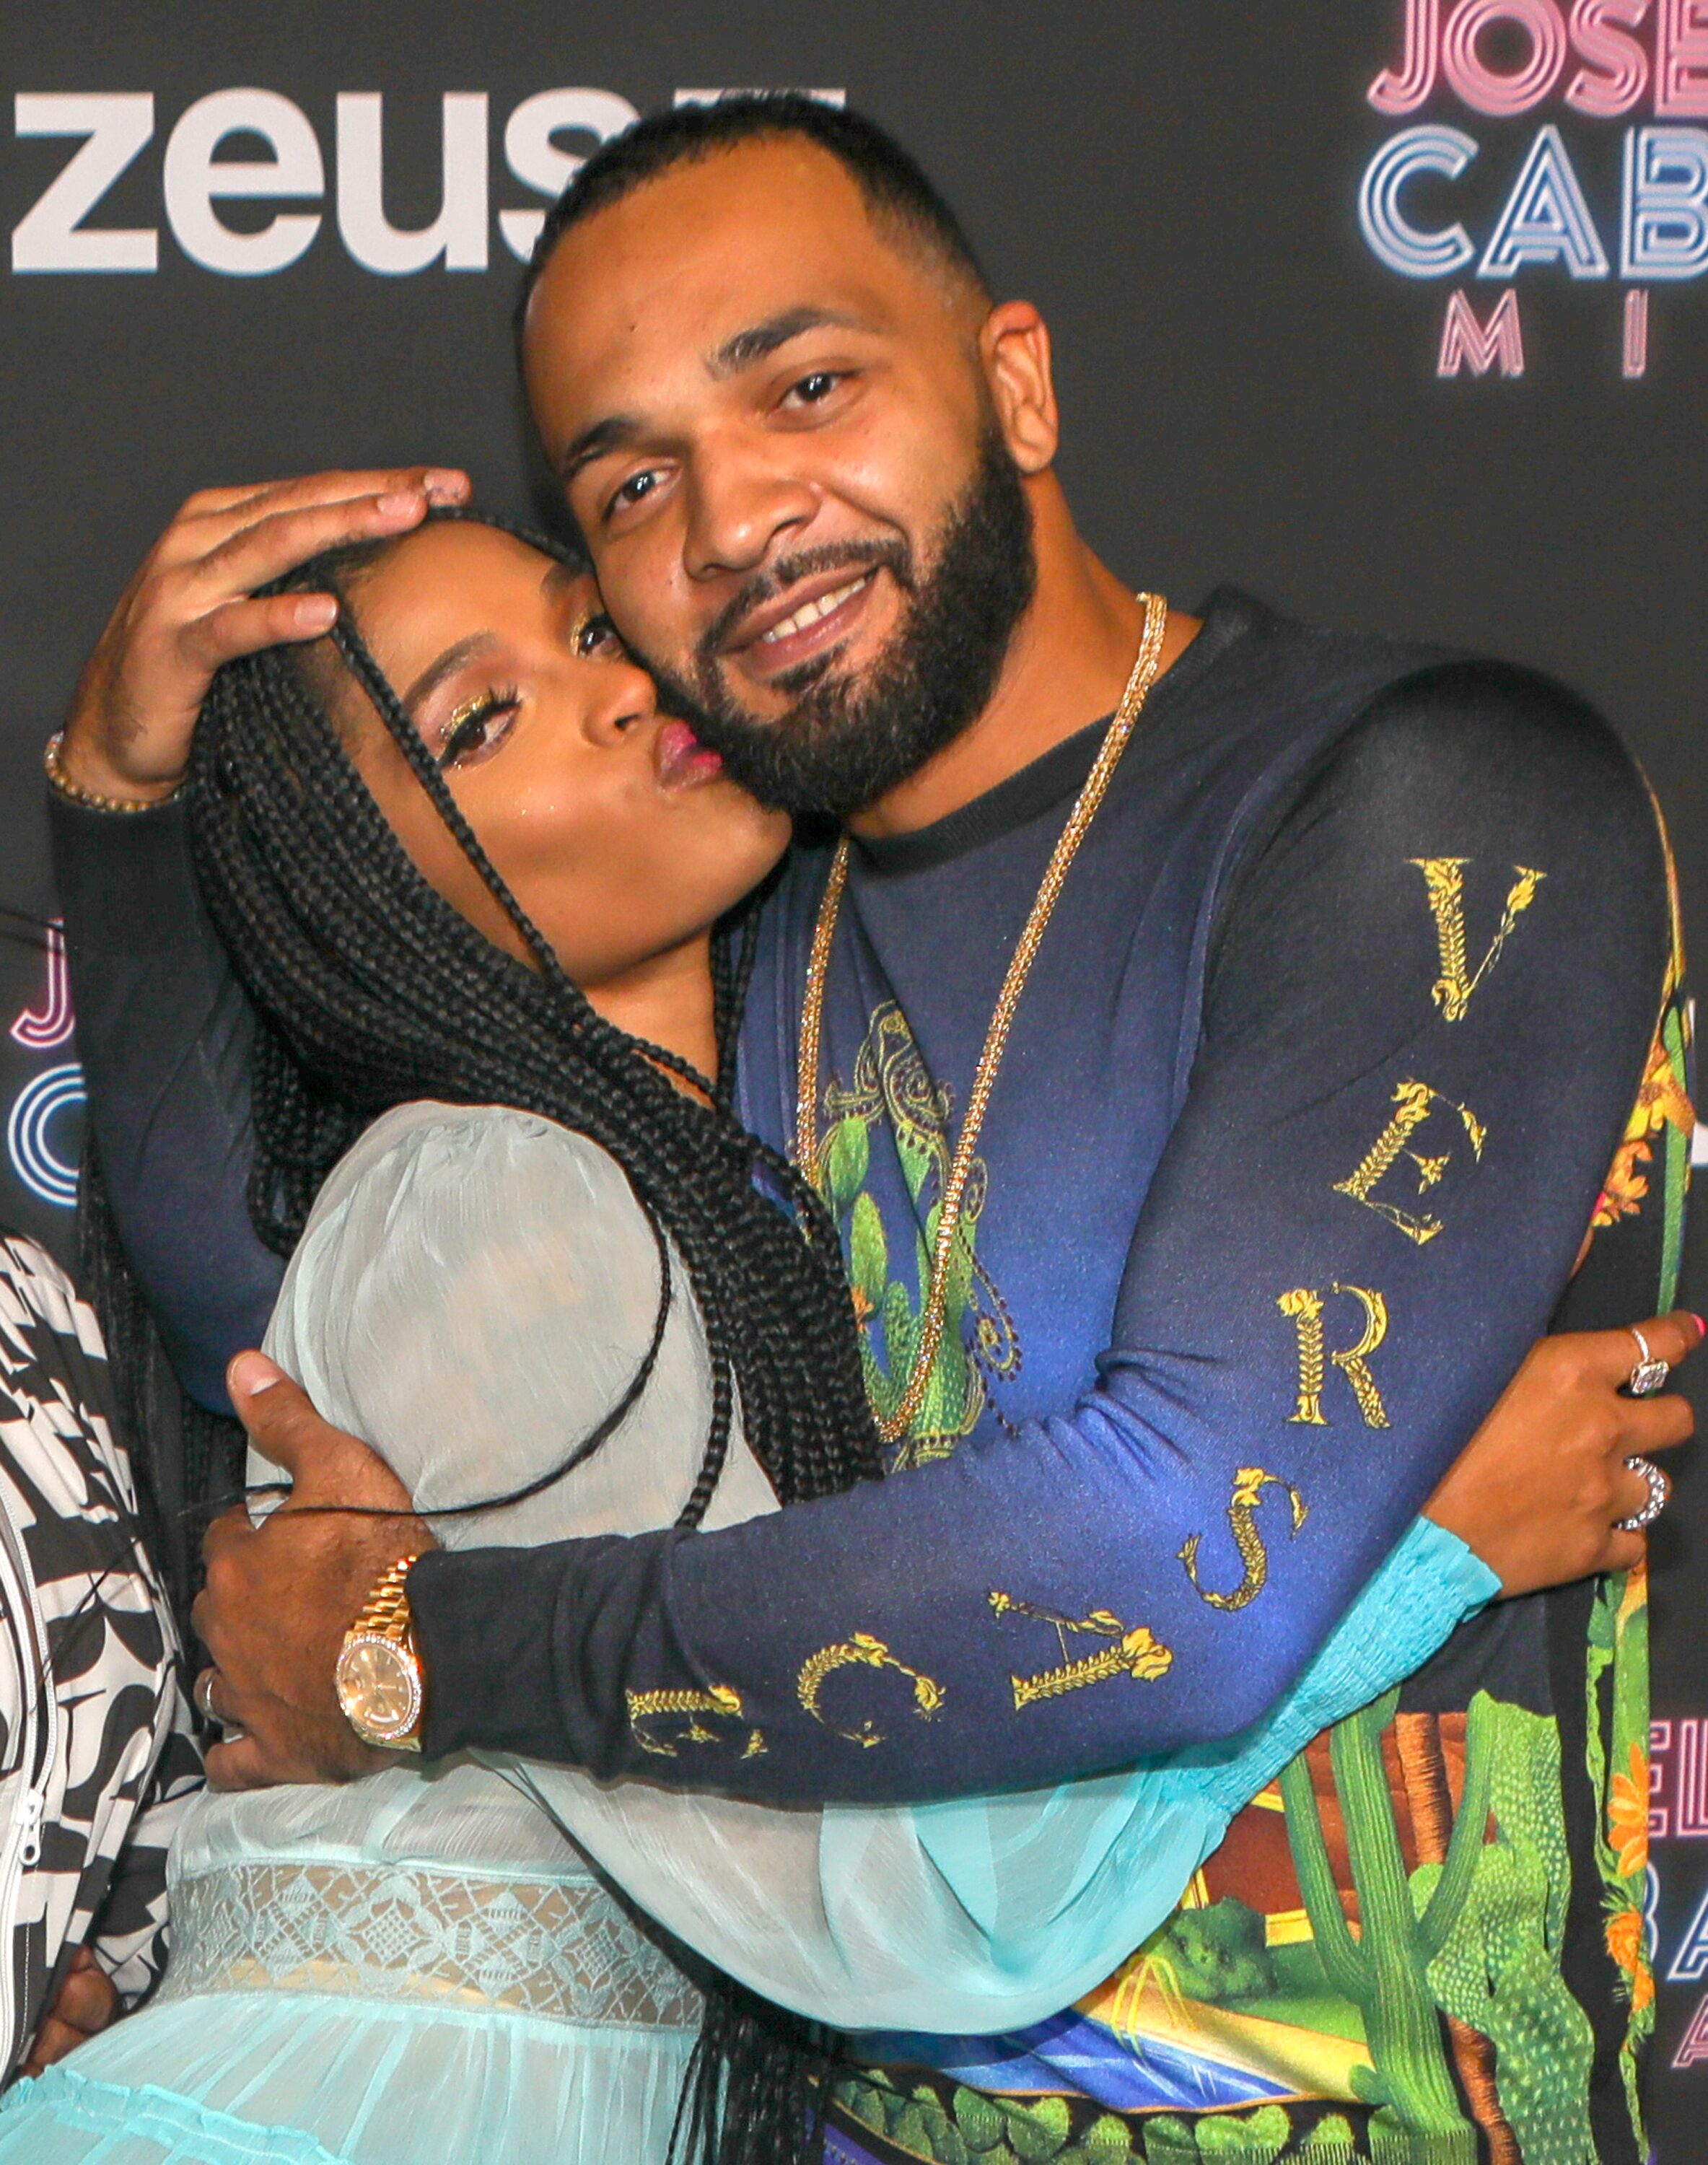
[
  {"x": 759, "y": 339},
  {"x": 618, "y": 431},
  {"x": 610, "y": 434},
  {"x": 447, "y": 665}
]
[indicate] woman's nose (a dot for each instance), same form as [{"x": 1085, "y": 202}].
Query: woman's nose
[{"x": 625, "y": 695}]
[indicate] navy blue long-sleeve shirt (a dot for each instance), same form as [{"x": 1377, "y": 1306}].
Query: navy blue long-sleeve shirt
[
  {"x": 1307, "y": 1106},
  {"x": 1361, "y": 1004}
]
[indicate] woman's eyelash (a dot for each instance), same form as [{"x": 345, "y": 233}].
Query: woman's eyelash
[{"x": 462, "y": 732}]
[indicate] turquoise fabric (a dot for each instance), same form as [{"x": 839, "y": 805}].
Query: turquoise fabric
[
  {"x": 301, "y": 2078},
  {"x": 1164, "y": 1818},
  {"x": 423, "y": 1968}
]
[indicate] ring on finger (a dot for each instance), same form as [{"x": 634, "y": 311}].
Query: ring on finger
[
  {"x": 1649, "y": 1373},
  {"x": 1660, "y": 1488},
  {"x": 204, "y": 1699}
]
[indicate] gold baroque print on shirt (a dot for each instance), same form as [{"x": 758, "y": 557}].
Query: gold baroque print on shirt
[
  {"x": 1444, "y": 882},
  {"x": 1249, "y": 1484},
  {"x": 862, "y": 1650},
  {"x": 1414, "y": 1104},
  {"x": 721, "y": 1703},
  {"x": 1137, "y": 1653},
  {"x": 1305, "y": 1305},
  {"x": 892, "y": 1090}
]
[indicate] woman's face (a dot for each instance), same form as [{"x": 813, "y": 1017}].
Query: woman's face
[{"x": 615, "y": 830}]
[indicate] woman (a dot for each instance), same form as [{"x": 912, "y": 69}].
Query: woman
[
  {"x": 96, "y": 1762},
  {"x": 472, "y": 882}
]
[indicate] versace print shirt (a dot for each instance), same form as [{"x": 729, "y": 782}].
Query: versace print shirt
[
  {"x": 1359, "y": 1019},
  {"x": 1341, "y": 1038},
  {"x": 1305, "y": 1113}
]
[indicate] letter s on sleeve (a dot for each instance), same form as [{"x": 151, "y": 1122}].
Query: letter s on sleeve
[{"x": 51, "y": 236}]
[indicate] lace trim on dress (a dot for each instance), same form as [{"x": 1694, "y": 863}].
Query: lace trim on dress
[{"x": 552, "y": 1948}]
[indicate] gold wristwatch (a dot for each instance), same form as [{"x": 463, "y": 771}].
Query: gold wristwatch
[{"x": 379, "y": 1677}]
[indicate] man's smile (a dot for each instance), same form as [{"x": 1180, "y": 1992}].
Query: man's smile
[{"x": 813, "y": 616}]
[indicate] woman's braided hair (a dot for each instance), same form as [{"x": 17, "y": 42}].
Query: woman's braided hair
[{"x": 372, "y": 990}]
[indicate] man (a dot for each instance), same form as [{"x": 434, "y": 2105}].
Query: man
[{"x": 1211, "y": 1128}]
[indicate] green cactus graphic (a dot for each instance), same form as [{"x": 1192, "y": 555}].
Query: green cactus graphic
[
  {"x": 1617, "y": 1755},
  {"x": 1108, "y": 2141},
  {"x": 890, "y": 1085},
  {"x": 1255, "y": 2138},
  {"x": 1385, "y": 1971},
  {"x": 1498, "y": 1968},
  {"x": 1170, "y": 2141},
  {"x": 1676, "y": 1168}
]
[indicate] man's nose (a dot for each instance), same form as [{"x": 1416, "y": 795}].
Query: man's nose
[{"x": 740, "y": 507}]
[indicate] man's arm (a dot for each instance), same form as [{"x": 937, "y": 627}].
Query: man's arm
[
  {"x": 164, "y": 1033},
  {"x": 163, "y": 1030},
  {"x": 1434, "y": 992}
]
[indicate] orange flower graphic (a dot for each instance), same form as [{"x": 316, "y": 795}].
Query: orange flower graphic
[
  {"x": 1627, "y": 1814},
  {"x": 1626, "y": 1944},
  {"x": 1660, "y": 1104}
]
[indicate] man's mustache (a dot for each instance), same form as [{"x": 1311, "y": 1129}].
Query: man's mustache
[{"x": 894, "y": 556}]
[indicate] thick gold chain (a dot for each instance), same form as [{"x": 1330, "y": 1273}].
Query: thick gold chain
[{"x": 1007, "y": 999}]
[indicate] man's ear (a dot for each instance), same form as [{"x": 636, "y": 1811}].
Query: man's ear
[{"x": 1013, "y": 346}]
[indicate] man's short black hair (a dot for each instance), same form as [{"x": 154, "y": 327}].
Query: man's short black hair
[{"x": 897, "y": 193}]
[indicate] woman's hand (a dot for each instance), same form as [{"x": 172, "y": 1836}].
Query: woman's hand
[
  {"x": 1538, "y": 1490},
  {"x": 85, "y": 2003},
  {"x": 192, "y": 607}
]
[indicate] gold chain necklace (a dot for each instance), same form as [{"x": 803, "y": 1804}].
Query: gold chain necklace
[{"x": 1072, "y": 835}]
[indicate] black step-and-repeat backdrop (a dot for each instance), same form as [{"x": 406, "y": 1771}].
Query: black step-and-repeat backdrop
[{"x": 1394, "y": 311}]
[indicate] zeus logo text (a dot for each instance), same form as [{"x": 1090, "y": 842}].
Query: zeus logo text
[{"x": 258, "y": 148}]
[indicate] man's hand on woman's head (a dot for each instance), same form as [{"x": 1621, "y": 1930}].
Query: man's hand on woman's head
[
  {"x": 280, "y": 1597},
  {"x": 1539, "y": 1490},
  {"x": 192, "y": 607}
]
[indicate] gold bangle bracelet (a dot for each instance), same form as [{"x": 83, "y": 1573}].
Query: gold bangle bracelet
[{"x": 53, "y": 759}]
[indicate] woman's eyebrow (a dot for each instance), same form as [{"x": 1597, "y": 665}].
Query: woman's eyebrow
[{"x": 447, "y": 665}]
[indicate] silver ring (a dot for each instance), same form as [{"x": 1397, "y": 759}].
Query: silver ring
[
  {"x": 205, "y": 1695},
  {"x": 1660, "y": 1490},
  {"x": 1649, "y": 1374}
]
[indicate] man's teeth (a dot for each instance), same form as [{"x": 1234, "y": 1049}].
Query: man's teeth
[{"x": 811, "y": 612}]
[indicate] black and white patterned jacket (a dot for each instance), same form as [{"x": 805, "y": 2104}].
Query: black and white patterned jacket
[{"x": 97, "y": 1758}]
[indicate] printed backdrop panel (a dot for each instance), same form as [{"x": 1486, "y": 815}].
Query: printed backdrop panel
[{"x": 1393, "y": 312}]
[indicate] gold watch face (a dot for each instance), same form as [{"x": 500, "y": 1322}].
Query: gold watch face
[{"x": 379, "y": 1688}]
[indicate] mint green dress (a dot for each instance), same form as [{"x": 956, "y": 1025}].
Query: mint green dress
[{"x": 478, "y": 1960}]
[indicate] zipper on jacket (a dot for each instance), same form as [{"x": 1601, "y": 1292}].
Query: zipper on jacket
[{"x": 40, "y": 1740}]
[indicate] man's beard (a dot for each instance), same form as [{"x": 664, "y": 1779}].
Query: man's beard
[{"x": 846, "y": 740}]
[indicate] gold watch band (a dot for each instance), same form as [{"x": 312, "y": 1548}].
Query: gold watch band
[{"x": 387, "y": 1615}]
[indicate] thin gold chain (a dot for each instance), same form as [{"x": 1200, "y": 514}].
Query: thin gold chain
[{"x": 1026, "y": 946}]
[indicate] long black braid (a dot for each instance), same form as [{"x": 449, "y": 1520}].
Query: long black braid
[{"x": 370, "y": 991}]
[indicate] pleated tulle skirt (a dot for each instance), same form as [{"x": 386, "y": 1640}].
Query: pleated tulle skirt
[{"x": 273, "y": 2077}]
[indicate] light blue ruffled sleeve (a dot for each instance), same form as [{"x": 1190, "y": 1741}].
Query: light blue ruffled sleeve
[
  {"x": 474, "y": 1286},
  {"x": 1089, "y": 1878},
  {"x": 988, "y": 1914}
]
